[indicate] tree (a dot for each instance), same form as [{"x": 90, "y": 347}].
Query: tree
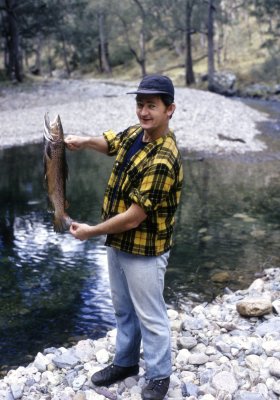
[
  {"x": 211, "y": 49},
  {"x": 189, "y": 73},
  {"x": 103, "y": 44},
  {"x": 138, "y": 22},
  {"x": 267, "y": 13},
  {"x": 13, "y": 56}
]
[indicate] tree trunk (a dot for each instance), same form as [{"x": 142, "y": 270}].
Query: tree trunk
[
  {"x": 39, "y": 41},
  {"x": 142, "y": 40},
  {"x": 142, "y": 60},
  {"x": 189, "y": 77},
  {"x": 210, "y": 36},
  {"x": 14, "y": 54},
  {"x": 103, "y": 45},
  {"x": 64, "y": 52}
]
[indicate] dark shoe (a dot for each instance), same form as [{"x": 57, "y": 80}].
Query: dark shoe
[
  {"x": 156, "y": 389},
  {"x": 112, "y": 374}
]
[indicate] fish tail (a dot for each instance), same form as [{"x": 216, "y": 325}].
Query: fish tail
[{"x": 62, "y": 223}]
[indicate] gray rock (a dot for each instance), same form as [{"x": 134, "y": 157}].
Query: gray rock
[
  {"x": 267, "y": 327},
  {"x": 78, "y": 382},
  {"x": 205, "y": 376},
  {"x": 223, "y": 347},
  {"x": 130, "y": 382},
  {"x": 65, "y": 360},
  {"x": 8, "y": 395},
  {"x": 187, "y": 342},
  {"x": 244, "y": 395},
  {"x": 17, "y": 390},
  {"x": 198, "y": 359},
  {"x": 274, "y": 368},
  {"x": 189, "y": 389},
  {"x": 191, "y": 323}
]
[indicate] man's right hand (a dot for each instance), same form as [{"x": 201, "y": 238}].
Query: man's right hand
[{"x": 74, "y": 142}]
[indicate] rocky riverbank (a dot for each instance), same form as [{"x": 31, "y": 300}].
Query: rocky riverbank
[
  {"x": 217, "y": 355},
  {"x": 203, "y": 121}
]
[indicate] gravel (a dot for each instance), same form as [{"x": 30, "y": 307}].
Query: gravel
[{"x": 203, "y": 121}]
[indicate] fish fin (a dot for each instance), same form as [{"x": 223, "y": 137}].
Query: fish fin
[
  {"x": 61, "y": 223},
  {"x": 47, "y": 152}
]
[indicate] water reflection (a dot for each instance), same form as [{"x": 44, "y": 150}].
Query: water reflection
[{"x": 54, "y": 289}]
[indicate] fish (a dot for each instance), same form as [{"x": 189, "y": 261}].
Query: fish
[{"x": 56, "y": 172}]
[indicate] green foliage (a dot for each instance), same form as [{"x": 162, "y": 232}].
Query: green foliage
[{"x": 66, "y": 34}]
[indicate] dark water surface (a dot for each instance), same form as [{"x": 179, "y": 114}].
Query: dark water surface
[{"x": 54, "y": 289}]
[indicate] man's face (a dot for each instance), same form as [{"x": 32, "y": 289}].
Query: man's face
[{"x": 153, "y": 114}]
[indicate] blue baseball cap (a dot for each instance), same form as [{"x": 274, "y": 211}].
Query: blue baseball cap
[{"x": 155, "y": 84}]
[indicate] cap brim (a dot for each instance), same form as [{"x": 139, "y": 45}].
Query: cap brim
[{"x": 148, "y": 91}]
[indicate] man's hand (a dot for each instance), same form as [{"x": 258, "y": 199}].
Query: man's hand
[
  {"x": 80, "y": 231},
  {"x": 74, "y": 142}
]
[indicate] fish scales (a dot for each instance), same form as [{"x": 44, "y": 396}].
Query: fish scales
[{"x": 56, "y": 172}]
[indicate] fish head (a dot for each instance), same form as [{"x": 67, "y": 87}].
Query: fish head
[{"x": 53, "y": 130}]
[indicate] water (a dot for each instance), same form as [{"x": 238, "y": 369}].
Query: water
[{"x": 54, "y": 289}]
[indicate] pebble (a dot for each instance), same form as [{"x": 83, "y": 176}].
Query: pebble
[{"x": 218, "y": 354}]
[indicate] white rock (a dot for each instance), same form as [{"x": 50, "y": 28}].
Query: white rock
[
  {"x": 198, "y": 359},
  {"x": 176, "y": 325},
  {"x": 172, "y": 314},
  {"x": 79, "y": 382},
  {"x": 102, "y": 356},
  {"x": 257, "y": 285},
  {"x": 225, "y": 381},
  {"x": 67, "y": 394},
  {"x": 53, "y": 379},
  {"x": 276, "y": 387},
  {"x": 253, "y": 362},
  {"x": 276, "y": 306},
  {"x": 91, "y": 395},
  {"x": 271, "y": 347},
  {"x": 183, "y": 356},
  {"x": 207, "y": 397},
  {"x": 85, "y": 350},
  {"x": 41, "y": 362},
  {"x": 174, "y": 380},
  {"x": 17, "y": 390},
  {"x": 274, "y": 368}
]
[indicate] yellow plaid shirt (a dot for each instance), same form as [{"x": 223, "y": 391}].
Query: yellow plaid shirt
[{"x": 152, "y": 179}]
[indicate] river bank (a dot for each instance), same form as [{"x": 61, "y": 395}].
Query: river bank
[
  {"x": 217, "y": 354},
  {"x": 203, "y": 121}
]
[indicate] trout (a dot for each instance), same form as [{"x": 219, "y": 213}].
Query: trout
[{"x": 56, "y": 172}]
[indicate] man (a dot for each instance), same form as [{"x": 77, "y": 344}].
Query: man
[{"x": 138, "y": 216}]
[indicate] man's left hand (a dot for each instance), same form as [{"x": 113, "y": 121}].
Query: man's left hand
[{"x": 80, "y": 231}]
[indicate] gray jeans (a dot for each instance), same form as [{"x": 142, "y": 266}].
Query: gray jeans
[{"x": 137, "y": 284}]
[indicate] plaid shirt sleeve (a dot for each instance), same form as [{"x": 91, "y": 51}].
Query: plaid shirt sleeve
[
  {"x": 154, "y": 187},
  {"x": 113, "y": 141}
]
